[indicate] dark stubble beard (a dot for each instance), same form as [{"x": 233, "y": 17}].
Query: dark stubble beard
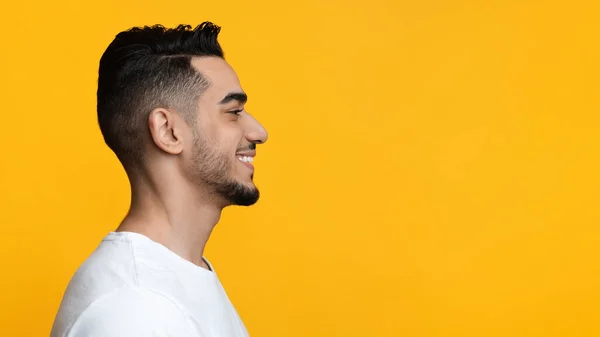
[{"x": 212, "y": 169}]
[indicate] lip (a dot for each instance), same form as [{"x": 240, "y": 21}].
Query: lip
[{"x": 246, "y": 154}]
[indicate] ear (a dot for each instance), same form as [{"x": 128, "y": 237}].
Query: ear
[{"x": 165, "y": 130}]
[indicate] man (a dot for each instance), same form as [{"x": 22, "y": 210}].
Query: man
[{"x": 172, "y": 110}]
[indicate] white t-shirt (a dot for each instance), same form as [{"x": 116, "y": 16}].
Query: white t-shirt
[{"x": 132, "y": 286}]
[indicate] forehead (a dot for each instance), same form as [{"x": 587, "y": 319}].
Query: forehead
[{"x": 221, "y": 76}]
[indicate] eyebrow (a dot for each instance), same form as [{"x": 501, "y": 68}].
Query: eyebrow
[{"x": 234, "y": 96}]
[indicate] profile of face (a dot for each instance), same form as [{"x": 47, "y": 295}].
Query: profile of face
[{"x": 224, "y": 137}]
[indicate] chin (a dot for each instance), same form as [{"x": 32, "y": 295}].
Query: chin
[
  {"x": 246, "y": 199},
  {"x": 240, "y": 193}
]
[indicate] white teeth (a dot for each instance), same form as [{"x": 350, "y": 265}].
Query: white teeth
[{"x": 246, "y": 159}]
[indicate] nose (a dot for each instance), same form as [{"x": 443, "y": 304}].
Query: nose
[{"x": 255, "y": 132}]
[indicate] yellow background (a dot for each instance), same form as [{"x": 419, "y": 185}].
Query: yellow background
[{"x": 432, "y": 168}]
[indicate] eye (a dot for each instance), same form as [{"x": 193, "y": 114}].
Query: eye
[{"x": 236, "y": 112}]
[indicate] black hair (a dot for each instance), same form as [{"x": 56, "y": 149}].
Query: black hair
[{"x": 148, "y": 67}]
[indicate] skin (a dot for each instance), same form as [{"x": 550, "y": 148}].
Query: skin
[{"x": 179, "y": 194}]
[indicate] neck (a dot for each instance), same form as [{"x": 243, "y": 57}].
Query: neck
[{"x": 172, "y": 214}]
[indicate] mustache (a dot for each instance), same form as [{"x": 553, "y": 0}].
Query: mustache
[{"x": 250, "y": 147}]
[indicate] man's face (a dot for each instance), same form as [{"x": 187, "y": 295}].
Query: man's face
[{"x": 224, "y": 136}]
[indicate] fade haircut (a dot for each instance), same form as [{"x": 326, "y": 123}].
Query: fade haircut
[{"x": 145, "y": 68}]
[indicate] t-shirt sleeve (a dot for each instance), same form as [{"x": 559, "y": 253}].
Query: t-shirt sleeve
[{"x": 132, "y": 312}]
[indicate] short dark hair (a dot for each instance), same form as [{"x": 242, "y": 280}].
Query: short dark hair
[{"x": 148, "y": 67}]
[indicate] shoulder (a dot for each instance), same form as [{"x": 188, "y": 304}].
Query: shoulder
[{"x": 132, "y": 311}]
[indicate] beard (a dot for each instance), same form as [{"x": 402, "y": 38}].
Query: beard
[{"x": 211, "y": 168}]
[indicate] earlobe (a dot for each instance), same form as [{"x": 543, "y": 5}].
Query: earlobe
[{"x": 163, "y": 131}]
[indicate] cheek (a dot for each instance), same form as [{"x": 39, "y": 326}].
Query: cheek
[
  {"x": 222, "y": 139},
  {"x": 230, "y": 138}
]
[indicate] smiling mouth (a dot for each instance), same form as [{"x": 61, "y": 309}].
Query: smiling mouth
[{"x": 245, "y": 159}]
